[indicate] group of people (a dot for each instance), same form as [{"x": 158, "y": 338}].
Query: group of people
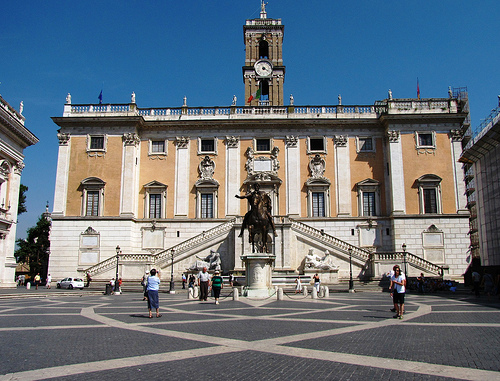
[
  {"x": 486, "y": 282},
  {"x": 37, "y": 280},
  {"x": 315, "y": 281},
  {"x": 206, "y": 281}
]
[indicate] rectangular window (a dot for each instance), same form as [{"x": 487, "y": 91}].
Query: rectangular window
[
  {"x": 207, "y": 145},
  {"x": 92, "y": 203},
  {"x": 263, "y": 145},
  {"x": 425, "y": 140},
  {"x": 157, "y": 146},
  {"x": 369, "y": 204},
  {"x": 430, "y": 201},
  {"x": 97, "y": 142},
  {"x": 365, "y": 144},
  {"x": 318, "y": 204},
  {"x": 155, "y": 206},
  {"x": 207, "y": 205},
  {"x": 316, "y": 144}
]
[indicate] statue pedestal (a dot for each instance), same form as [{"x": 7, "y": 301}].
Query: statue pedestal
[
  {"x": 326, "y": 276},
  {"x": 258, "y": 274}
]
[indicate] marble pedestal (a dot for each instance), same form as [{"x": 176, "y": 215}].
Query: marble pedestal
[
  {"x": 258, "y": 274},
  {"x": 325, "y": 276}
]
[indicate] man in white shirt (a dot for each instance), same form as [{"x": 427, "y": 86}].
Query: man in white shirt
[
  {"x": 203, "y": 282},
  {"x": 398, "y": 289}
]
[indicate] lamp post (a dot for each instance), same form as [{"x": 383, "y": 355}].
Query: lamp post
[
  {"x": 117, "y": 289},
  {"x": 351, "y": 283},
  {"x": 172, "y": 287},
  {"x": 404, "y": 258}
]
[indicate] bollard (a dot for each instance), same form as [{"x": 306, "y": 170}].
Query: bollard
[
  {"x": 236, "y": 294},
  {"x": 304, "y": 290},
  {"x": 28, "y": 285},
  {"x": 279, "y": 293},
  {"x": 326, "y": 292},
  {"x": 196, "y": 292},
  {"x": 190, "y": 293},
  {"x": 314, "y": 293}
]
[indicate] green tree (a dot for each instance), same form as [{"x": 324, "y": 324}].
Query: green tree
[
  {"x": 22, "y": 200},
  {"x": 35, "y": 249}
]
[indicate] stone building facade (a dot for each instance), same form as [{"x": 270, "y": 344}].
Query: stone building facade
[
  {"x": 359, "y": 181},
  {"x": 14, "y": 138}
]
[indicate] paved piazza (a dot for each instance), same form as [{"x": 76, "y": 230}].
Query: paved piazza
[{"x": 344, "y": 337}]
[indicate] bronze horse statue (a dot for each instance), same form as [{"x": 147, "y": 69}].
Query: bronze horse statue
[{"x": 258, "y": 220}]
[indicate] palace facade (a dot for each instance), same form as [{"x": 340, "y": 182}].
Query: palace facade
[
  {"x": 155, "y": 187},
  {"x": 14, "y": 138}
]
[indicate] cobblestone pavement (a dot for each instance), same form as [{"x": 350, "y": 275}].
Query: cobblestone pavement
[{"x": 344, "y": 337}]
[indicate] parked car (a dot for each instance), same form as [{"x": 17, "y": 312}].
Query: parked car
[{"x": 71, "y": 283}]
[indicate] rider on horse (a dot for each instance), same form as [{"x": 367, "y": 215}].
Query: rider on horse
[{"x": 255, "y": 198}]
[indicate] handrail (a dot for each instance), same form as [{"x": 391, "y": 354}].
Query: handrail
[
  {"x": 331, "y": 240},
  {"x": 411, "y": 259}
]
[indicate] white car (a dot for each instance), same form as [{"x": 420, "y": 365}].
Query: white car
[{"x": 70, "y": 283}]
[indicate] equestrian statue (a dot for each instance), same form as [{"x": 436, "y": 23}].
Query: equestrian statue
[{"x": 258, "y": 220}]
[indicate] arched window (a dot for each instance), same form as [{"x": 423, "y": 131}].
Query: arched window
[
  {"x": 429, "y": 191},
  {"x": 263, "y": 49},
  {"x": 92, "y": 196}
]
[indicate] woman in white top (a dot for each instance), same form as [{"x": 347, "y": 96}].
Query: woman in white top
[
  {"x": 298, "y": 286},
  {"x": 398, "y": 289}
]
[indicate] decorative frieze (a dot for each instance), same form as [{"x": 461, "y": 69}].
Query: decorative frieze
[
  {"x": 131, "y": 139},
  {"x": 393, "y": 136},
  {"x": 181, "y": 141},
  {"x": 63, "y": 138},
  {"x": 232, "y": 141},
  {"x": 291, "y": 141},
  {"x": 317, "y": 166},
  {"x": 340, "y": 140}
]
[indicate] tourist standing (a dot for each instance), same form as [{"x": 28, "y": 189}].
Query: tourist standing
[
  {"x": 421, "y": 283},
  {"x": 398, "y": 290},
  {"x": 49, "y": 279},
  {"x": 153, "y": 288},
  {"x": 298, "y": 285},
  {"x": 183, "y": 281},
  {"x": 317, "y": 282},
  {"x": 89, "y": 279},
  {"x": 203, "y": 282},
  {"x": 231, "y": 279},
  {"x": 144, "y": 284},
  {"x": 37, "y": 280},
  {"x": 192, "y": 279},
  {"x": 217, "y": 285}
]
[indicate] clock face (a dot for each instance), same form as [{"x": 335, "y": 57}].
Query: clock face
[{"x": 263, "y": 68}]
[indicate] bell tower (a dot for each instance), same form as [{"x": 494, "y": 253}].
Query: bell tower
[{"x": 263, "y": 73}]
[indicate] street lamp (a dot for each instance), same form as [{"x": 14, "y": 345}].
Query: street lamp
[
  {"x": 172, "y": 287},
  {"x": 117, "y": 289},
  {"x": 404, "y": 258},
  {"x": 351, "y": 283}
]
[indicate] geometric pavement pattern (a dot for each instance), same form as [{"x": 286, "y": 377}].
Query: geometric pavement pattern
[{"x": 344, "y": 337}]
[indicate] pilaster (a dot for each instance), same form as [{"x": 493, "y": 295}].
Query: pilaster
[
  {"x": 396, "y": 173},
  {"x": 292, "y": 154},
  {"x": 232, "y": 175},
  {"x": 128, "y": 204},
  {"x": 456, "y": 149},
  {"x": 343, "y": 175},
  {"x": 62, "y": 174},
  {"x": 181, "y": 197}
]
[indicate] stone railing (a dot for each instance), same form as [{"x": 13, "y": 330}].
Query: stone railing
[
  {"x": 11, "y": 112},
  {"x": 411, "y": 259},
  {"x": 331, "y": 241},
  {"x": 164, "y": 255},
  {"x": 102, "y": 266},
  {"x": 195, "y": 241}
]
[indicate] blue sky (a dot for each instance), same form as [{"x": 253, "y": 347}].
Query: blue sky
[{"x": 165, "y": 50}]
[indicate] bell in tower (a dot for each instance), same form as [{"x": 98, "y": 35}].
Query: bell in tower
[{"x": 263, "y": 73}]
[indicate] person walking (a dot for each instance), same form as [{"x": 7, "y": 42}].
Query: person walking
[
  {"x": 49, "y": 279},
  {"x": 317, "y": 282},
  {"x": 203, "y": 282},
  {"x": 183, "y": 281},
  {"x": 217, "y": 285},
  {"x": 89, "y": 279},
  {"x": 476, "y": 280},
  {"x": 153, "y": 287},
  {"x": 398, "y": 290},
  {"x": 37, "y": 280}
]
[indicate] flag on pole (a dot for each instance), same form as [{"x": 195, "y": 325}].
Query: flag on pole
[
  {"x": 100, "y": 98},
  {"x": 255, "y": 95},
  {"x": 418, "y": 90}
]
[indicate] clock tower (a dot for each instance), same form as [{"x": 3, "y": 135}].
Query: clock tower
[{"x": 263, "y": 73}]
